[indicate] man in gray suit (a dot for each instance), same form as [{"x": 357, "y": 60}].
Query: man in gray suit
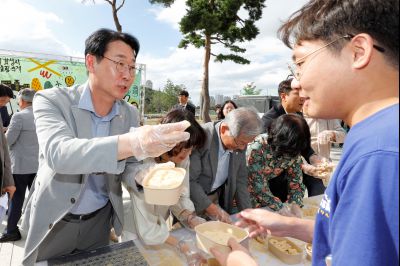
[
  {"x": 6, "y": 179},
  {"x": 218, "y": 172},
  {"x": 87, "y": 140},
  {"x": 24, "y": 149}
]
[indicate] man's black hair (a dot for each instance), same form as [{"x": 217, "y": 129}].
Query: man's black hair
[
  {"x": 96, "y": 43},
  {"x": 327, "y": 20},
  {"x": 6, "y": 91},
  {"x": 184, "y": 93}
]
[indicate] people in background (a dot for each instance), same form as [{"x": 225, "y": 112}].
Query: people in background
[
  {"x": 24, "y": 150},
  {"x": 292, "y": 102},
  {"x": 4, "y": 115},
  {"x": 184, "y": 103},
  {"x": 324, "y": 132},
  {"x": 217, "y": 110},
  {"x": 6, "y": 178},
  {"x": 88, "y": 140},
  {"x": 274, "y": 164},
  {"x": 148, "y": 221},
  {"x": 226, "y": 107},
  {"x": 218, "y": 172},
  {"x": 135, "y": 104}
]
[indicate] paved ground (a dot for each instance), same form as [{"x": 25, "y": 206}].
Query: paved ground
[{"x": 11, "y": 253}]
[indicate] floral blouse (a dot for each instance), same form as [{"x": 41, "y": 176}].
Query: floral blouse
[{"x": 263, "y": 166}]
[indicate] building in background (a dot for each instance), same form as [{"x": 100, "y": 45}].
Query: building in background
[
  {"x": 212, "y": 102},
  {"x": 219, "y": 99},
  {"x": 227, "y": 98}
]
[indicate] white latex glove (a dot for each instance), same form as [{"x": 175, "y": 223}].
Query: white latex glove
[
  {"x": 147, "y": 167},
  {"x": 321, "y": 170},
  {"x": 152, "y": 141},
  {"x": 192, "y": 254},
  {"x": 189, "y": 219},
  {"x": 309, "y": 169},
  {"x": 218, "y": 214},
  {"x": 325, "y": 137},
  {"x": 291, "y": 210}
]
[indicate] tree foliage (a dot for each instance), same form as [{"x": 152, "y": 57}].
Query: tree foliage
[
  {"x": 162, "y": 101},
  {"x": 217, "y": 22},
  {"x": 250, "y": 89}
]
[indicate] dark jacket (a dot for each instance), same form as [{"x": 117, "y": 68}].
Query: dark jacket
[
  {"x": 203, "y": 169},
  {"x": 189, "y": 107},
  {"x": 274, "y": 113}
]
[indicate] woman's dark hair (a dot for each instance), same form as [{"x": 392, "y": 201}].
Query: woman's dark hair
[
  {"x": 221, "y": 114},
  {"x": 96, "y": 43},
  {"x": 288, "y": 135},
  {"x": 197, "y": 134}
]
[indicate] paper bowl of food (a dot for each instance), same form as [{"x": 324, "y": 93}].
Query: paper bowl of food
[
  {"x": 163, "y": 185},
  {"x": 216, "y": 234},
  {"x": 287, "y": 251},
  {"x": 309, "y": 251},
  {"x": 309, "y": 212}
]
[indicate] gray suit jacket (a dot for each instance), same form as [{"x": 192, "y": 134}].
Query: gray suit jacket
[
  {"x": 68, "y": 153},
  {"x": 6, "y": 178},
  {"x": 203, "y": 168},
  {"x": 23, "y": 143}
]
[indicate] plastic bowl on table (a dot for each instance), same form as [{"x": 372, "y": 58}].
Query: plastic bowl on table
[
  {"x": 216, "y": 234},
  {"x": 287, "y": 251}
]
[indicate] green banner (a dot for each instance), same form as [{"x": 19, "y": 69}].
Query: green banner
[
  {"x": 25, "y": 72},
  {"x": 133, "y": 94}
]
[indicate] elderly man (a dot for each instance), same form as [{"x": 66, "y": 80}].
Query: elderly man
[
  {"x": 218, "y": 172},
  {"x": 87, "y": 140},
  {"x": 24, "y": 148}
]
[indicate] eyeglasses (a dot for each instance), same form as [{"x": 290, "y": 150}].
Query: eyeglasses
[
  {"x": 239, "y": 144},
  {"x": 294, "y": 67},
  {"x": 122, "y": 66}
]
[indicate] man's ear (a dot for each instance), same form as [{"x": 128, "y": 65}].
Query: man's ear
[
  {"x": 282, "y": 96},
  {"x": 90, "y": 61},
  {"x": 362, "y": 46},
  {"x": 224, "y": 129}
]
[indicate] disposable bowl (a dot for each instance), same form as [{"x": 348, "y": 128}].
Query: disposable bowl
[
  {"x": 309, "y": 251},
  {"x": 159, "y": 193},
  {"x": 216, "y": 234},
  {"x": 278, "y": 246}
]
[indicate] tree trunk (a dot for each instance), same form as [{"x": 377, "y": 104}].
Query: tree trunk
[
  {"x": 115, "y": 16},
  {"x": 205, "y": 97}
]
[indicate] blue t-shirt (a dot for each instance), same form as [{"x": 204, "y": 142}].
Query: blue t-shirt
[{"x": 358, "y": 218}]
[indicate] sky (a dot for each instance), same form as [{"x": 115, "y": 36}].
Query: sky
[{"x": 60, "y": 27}]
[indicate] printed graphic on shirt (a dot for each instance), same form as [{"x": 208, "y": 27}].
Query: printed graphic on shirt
[{"x": 325, "y": 206}]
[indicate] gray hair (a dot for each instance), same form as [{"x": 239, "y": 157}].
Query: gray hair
[
  {"x": 244, "y": 120},
  {"x": 27, "y": 94}
]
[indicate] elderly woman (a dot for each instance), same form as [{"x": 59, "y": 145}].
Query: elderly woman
[
  {"x": 147, "y": 221},
  {"x": 268, "y": 156}
]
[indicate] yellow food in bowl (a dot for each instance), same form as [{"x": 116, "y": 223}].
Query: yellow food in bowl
[
  {"x": 284, "y": 246},
  {"x": 310, "y": 211},
  {"x": 221, "y": 237},
  {"x": 165, "y": 178}
]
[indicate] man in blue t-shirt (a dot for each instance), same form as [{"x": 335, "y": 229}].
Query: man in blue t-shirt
[{"x": 346, "y": 66}]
